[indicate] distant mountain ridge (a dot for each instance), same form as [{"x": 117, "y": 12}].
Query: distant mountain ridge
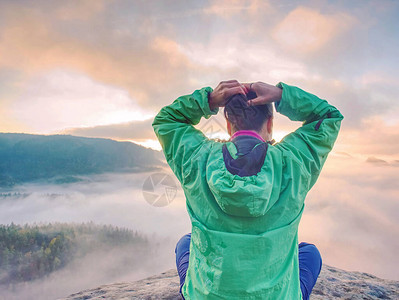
[{"x": 29, "y": 157}]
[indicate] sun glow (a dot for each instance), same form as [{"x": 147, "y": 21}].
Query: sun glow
[
  {"x": 148, "y": 143},
  {"x": 279, "y": 135}
]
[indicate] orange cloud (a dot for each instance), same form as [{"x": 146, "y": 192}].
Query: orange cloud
[
  {"x": 80, "y": 10},
  {"x": 306, "y": 30},
  {"x": 29, "y": 42},
  {"x": 230, "y": 8},
  {"x": 376, "y": 138}
]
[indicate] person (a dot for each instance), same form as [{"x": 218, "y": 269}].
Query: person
[{"x": 245, "y": 197}]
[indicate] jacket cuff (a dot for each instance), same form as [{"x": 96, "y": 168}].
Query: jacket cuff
[
  {"x": 207, "y": 112},
  {"x": 277, "y": 103},
  {"x": 285, "y": 106}
]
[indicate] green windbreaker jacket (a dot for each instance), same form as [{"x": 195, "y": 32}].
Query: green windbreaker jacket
[{"x": 244, "y": 235}]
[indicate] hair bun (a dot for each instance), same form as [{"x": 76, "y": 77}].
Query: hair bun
[
  {"x": 245, "y": 117},
  {"x": 237, "y": 109},
  {"x": 251, "y": 95}
]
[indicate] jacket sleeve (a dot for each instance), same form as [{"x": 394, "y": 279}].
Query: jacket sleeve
[
  {"x": 310, "y": 144},
  {"x": 173, "y": 126}
]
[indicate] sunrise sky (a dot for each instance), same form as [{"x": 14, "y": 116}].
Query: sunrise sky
[{"x": 105, "y": 68}]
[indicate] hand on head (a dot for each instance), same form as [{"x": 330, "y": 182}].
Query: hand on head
[
  {"x": 266, "y": 93},
  {"x": 225, "y": 90}
]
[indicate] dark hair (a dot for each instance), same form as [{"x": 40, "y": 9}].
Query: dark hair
[{"x": 245, "y": 117}]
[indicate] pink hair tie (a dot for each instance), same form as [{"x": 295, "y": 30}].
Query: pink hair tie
[{"x": 247, "y": 132}]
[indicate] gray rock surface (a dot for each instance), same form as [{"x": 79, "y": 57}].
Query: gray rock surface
[{"x": 333, "y": 283}]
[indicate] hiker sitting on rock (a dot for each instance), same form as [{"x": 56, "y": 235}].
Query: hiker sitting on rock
[{"x": 245, "y": 197}]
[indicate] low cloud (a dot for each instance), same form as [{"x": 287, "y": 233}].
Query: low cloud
[
  {"x": 375, "y": 160},
  {"x": 350, "y": 214}
]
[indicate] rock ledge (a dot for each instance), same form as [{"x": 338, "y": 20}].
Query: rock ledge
[{"x": 333, "y": 283}]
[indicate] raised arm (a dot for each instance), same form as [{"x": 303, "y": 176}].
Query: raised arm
[
  {"x": 310, "y": 144},
  {"x": 173, "y": 125}
]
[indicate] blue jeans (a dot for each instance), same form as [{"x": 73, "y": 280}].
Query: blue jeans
[{"x": 309, "y": 264}]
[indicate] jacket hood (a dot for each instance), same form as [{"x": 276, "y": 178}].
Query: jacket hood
[{"x": 238, "y": 195}]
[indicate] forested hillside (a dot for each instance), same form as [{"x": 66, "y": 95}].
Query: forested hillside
[
  {"x": 31, "y": 252},
  {"x": 61, "y": 158}
]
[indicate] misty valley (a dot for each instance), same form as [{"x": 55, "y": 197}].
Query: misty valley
[{"x": 73, "y": 216}]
